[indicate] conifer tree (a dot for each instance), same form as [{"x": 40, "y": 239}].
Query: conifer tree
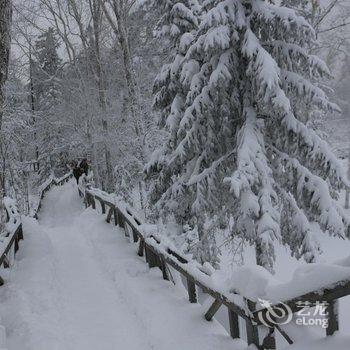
[{"x": 240, "y": 142}]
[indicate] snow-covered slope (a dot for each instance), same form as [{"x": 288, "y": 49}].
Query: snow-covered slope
[{"x": 79, "y": 285}]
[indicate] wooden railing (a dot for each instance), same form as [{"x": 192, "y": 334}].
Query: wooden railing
[
  {"x": 158, "y": 254},
  {"x": 46, "y": 186},
  {"x": 9, "y": 239}
]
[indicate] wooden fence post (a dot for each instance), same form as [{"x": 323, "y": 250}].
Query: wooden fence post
[
  {"x": 93, "y": 202},
  {"x": 134, "y": 235},
  {"x": 103, "y": 206},
  {"x": 141, "y": 247},
  {"x": 109, "y": 216},
  {"x": 269, "y": 341},
  {"x": 251, "y": 328},
  {"x": 16, "y": 243},
  {"x": 20, "y": 233},
  {"x": 191, "y": 289},
  {"x": 163, "y": 267},
  {"x": 252, "y": 333},
  {"x": 115, "y": 213},
  {"x": 86, "y": 200},
  {"x": 120, "y": 220},
  {"x": 234, "y": 323},
  {"x": 151, "y": 258},
  {"x": 332, "y": 315}
]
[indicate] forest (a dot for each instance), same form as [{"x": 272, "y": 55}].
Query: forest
[{"x": 224, "y": 123}]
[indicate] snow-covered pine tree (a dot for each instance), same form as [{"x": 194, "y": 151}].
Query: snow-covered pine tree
[
  {"x": 178, "y": 25},
  {"x": 242, "y": 129},
  {"x": 311, "y": 10}
]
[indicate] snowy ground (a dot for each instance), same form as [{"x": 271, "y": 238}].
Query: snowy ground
[{"x": 79, "y": 285}]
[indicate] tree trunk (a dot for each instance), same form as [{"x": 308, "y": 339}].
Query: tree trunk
[
  {"x": 120, "y": 31},
  {"x": 101, "y": 82},
  {"x": 5, "y": 27}
]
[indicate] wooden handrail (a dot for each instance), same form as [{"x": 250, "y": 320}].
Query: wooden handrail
[
  {"x": 46, "y": 186},
  {"x": 159, "y": 255},
  {"x": 11, "y": 236},
  {"x": 13, "y": 229}
]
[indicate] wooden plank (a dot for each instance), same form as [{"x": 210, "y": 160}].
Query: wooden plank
[
  {"x": 214, "y": 308},
  {"x": 332, "y": 316},
  {"x": 191, "y": 289},
  {"x": 234, "y": 323}
]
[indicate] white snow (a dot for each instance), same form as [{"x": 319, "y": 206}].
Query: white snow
[{"x": 78, "y": 284}]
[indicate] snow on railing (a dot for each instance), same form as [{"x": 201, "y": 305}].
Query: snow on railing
[
  {"x": 13, "y": 233},
  {"x": 249, "y": 287},
  {"x": 45, "y": 186}
]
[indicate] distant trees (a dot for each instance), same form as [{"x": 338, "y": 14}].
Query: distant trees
[
  {"x": 235, "y": 98},
  {"x": 239, "y": 144},
  {"x": 5, "y": 29},
  {"x": 45, "y": 89}
]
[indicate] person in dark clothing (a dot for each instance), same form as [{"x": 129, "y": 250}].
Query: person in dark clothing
[
  {"x": 84, "y": 166},
  {"x": 77, "y": 172}
]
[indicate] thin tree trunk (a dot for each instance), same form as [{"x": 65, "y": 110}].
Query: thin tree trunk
[
  {"x": 92, "y": 156},
  {"x": 122, "y": 37},
  {"x": 32, "y": 106},
  {"x": 5, "y": 27},
  {"x": 96, "y": 11}
]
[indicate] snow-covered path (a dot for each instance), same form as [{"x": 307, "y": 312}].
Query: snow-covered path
[{"x": 79, "y": 285}]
